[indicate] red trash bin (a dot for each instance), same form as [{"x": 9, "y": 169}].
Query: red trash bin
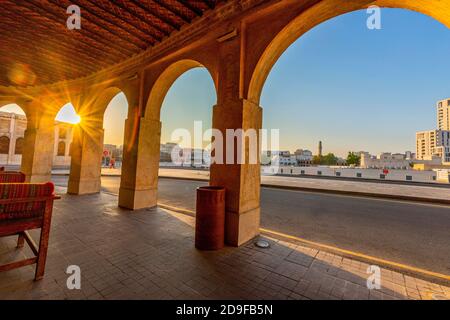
[{"x": 210, "y": 218}]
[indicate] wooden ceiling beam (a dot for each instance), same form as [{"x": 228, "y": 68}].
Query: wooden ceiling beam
[
  {"x": 112, "y": 27},
  {"x": 88, "y": 33},
  {"x": 210, "y": 4},
  {"x": 125, "y": 26},
  {"x": 34, "y": 33},
  {"x": 60, "y": 45},
  {"x": 187, "y": 5},
  {"x": 119, "y": 10},
  {"x": 144, "y": 7},
  {"x": 170, "y": 9}
]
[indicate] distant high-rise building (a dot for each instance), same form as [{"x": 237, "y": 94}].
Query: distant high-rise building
[
  {"x": 443, "y": 114},
  {"x": 319, "y": 152},
  {"x": 433, "y": 143}
]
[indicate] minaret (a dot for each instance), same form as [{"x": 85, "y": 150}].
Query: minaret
[{"x": 320, "y": 149}]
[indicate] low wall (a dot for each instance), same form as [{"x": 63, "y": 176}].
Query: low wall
[{"x": 344, "y": 172}]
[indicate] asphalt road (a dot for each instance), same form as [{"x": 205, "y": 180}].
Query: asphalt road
[{"x": 411, "y": 233}]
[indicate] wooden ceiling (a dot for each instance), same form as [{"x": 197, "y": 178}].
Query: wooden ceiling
[{"x": 37, "y": 48}]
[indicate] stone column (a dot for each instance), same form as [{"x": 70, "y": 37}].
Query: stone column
[
  {"x": 12, "y": 140},
  {"x": 139, "y": 182},
  {"x": 242, "y": 181},
  {"x": 37, "y": 157},
  {"x": 86, "y": 156}
]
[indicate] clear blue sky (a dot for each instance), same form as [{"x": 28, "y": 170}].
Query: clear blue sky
[
  {"x": 351, "y": 87},
  {"x": 360, "y": 89}
]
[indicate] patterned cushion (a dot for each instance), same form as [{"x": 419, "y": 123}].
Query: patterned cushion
[
  {"x": 24, "y": 210},
  {"x": 10, "y": 177}
]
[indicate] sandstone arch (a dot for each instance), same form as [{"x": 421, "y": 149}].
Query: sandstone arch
[{"x": 165, "y": 81}]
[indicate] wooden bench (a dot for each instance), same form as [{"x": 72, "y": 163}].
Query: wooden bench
[
  {"x": 23, "y": 207},
  {"x": 11, "y": 177}
]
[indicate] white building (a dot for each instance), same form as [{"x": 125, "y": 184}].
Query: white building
[
  {"x": 174, "y": 155},
  {"x": 410, "y": 155},
  {"x": 303, "y": 157},
  {"x": 385, "y": 160},
  {"x": 429, "y": 176},
  {"x": 166, "y": 151},
  {"x": 285, "y": 158},
  {"x": 12, "y": 132},
  {"x": 63, "y": 140}
]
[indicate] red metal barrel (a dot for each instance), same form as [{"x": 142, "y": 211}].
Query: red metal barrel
[{"x": 210, "y": 218}]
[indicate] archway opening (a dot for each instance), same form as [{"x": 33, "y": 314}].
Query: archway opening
[
  {"x": 114, "y": 128},
  {"x": 13, "y": 123},
  {"x": 186, "y": 117},
  {"x": 65, "y": 121},
  {"x": 358, "y": 90}
]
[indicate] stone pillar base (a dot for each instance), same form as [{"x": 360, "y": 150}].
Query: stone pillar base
[
  {"x": 85, "y": 186},
  {"x": 241, "y": 227},
  {"x": 137, "y": 199}
]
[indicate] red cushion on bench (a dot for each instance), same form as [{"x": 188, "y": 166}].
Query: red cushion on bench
[
  {"x": 24, "y": 210},
  {"x": 11, "y": 177}
]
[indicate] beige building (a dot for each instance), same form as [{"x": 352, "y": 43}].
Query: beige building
[
  {"x": 12, "y": 131},
  {"x": 433, "y": 143},
  {"x": 436, "y": 143},
  {"x": 443, "y": 110}
]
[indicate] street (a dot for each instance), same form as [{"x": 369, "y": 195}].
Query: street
[{"x": 416, "y": 234}]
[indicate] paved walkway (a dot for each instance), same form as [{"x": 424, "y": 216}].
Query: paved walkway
[{"x": 150, "y": 254}]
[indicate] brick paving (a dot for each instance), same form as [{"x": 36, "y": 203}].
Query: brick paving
[{"x": 149, "y": 254}]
